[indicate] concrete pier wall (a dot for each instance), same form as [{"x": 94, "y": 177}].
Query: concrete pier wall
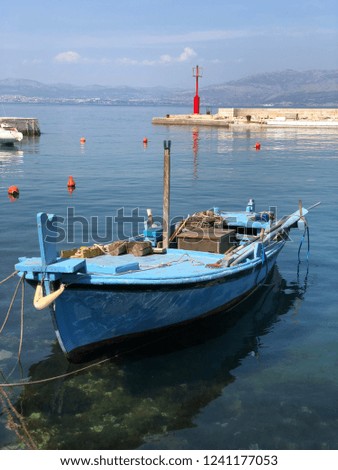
[
  {"x": 28, "y": 126},
  {"x": 262, "y": 117},
  {"x": 263, "y": 114}
]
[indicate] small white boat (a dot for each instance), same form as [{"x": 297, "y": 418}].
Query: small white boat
[{"x": 9, "y": 134}]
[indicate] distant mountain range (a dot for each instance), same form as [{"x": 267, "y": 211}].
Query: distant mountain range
[{"x": 289, "y": 88}]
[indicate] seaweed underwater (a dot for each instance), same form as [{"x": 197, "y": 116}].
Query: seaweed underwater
[{"x": 154, "y": 387}]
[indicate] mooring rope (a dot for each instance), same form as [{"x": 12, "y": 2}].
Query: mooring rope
[
  {"x": 306, "y": 231},
  {"x": 21, "y": 315},
  {"x": 9, "y": 277},
  {"x": 264, "y": 262},
  {"x": 22, "y": 282},
  {"x": 55, "y": 377},
  {"x": 12, "y": 413},
  {"x": 11, "y": 304}
]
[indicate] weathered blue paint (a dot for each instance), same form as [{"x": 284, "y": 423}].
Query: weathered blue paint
[
  {"x": 46, "y": 228},
  {"x": 109, "y": 298},
  {"x": 95, "y": 314}
]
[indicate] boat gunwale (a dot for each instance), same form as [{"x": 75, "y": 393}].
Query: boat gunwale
[
  {"x": 214, "y": 274},
  {"x": 131, "y": 280}
]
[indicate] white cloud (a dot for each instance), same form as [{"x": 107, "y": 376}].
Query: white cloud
[
  {"x": 187, "y": 54},
  {"x": 68, "y": 57},
  {"x": 71, "y": 57},
  {"x": 164, "y": 59}
]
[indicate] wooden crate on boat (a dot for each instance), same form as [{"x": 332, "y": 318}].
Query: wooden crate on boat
[{"x": 211, "y": 240}]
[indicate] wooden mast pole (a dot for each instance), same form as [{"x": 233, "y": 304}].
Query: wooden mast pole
[{"x": 166, "y": 194}]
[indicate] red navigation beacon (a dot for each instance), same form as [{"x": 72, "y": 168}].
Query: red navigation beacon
[{"x": 197, "y": 72}]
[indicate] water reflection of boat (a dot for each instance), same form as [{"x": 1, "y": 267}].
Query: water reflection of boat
[
  {"x": 9, "y": 152},
  {"x": 156, "y": 387},
  {"x": 10, "y": 159}
]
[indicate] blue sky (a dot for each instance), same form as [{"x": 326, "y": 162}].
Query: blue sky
[{"x": 154, "y": 42}]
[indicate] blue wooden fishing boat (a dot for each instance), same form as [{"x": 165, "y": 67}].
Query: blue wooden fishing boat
[{"x": 209, "y": 262}]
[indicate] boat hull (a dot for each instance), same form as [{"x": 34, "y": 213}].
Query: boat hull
[
  {"x": 9, "y": 135},
  {"x": 106, "y": 298},
  {"x": 87, "y": 317}
]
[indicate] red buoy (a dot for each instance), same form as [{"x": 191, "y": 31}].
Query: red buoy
[
  {"x": 145, "y": 140},
  {"x": 258, "y": 146},
  {"x": 82, "y": 140},
  {"x": 71, "y": 182},
  {"x": 13, "y": 191}
]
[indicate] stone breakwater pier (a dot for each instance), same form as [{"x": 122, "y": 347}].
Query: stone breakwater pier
[
  {"x": 28, "y": 126},
  {"x": 261, "y": 117}
]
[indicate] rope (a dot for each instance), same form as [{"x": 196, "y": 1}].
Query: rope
[
  {"x": 11, "y": 275},
  {"x": 22, "y": 281},
  {"x": 144, "y": 267},
  {"x": 306, "y": 231},
  {"x": 55, "y": 377},
  {"x": 264, "y": 261},
  {"x": 10, "y": 306},
  {"x": 13, "y": 413},
  {"x": 182, "y": 259},
  {"x": 21, "y": 316}
]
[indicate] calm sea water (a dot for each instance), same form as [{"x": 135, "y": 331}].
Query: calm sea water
[{"x": 264, "y": 376}]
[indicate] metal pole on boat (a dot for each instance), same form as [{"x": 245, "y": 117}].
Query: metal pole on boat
[{"x": 166, "y": 193}]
